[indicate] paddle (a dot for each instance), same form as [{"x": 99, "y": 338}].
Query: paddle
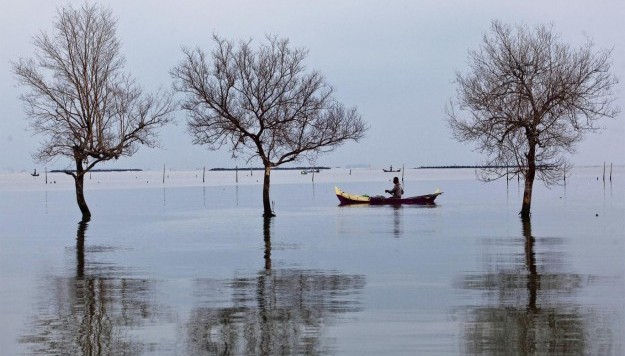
[{"x": 402, "y": 176}]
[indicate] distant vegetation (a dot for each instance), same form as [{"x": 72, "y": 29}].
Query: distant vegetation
[
  {"x": 99, "y": 170},
  {"x": 275, "y": 169},
  {"x": 455, "y": 166}
]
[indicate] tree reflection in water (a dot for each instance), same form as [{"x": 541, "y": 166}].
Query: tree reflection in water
[
  {"x": 90, "y": 313},
  {"x": 277, "y": 311},
  {"x": 397, "y": 227},
  {"x": 529, "y": 307}
]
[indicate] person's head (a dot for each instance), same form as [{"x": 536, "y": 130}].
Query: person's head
[{"x": 395, "y": 180}]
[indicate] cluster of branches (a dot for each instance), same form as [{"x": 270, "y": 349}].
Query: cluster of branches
[
  {"x": 530, "y": 99},
  {"x": 261, "y": 102},
  {"x": 80, "y": 99}
]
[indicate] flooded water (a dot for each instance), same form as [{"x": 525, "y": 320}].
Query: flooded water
[{"x": 189, "y": 267}]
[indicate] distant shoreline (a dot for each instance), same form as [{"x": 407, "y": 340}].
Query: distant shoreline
[
  {"x": 98, "y": 170},
  {"x": 461, "y": 167},
  {"x": 219, "y": 169},
  {"x": 273, "y": 169},
  {"x": 299, "y": 168}
]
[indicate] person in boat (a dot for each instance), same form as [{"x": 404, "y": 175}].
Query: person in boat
[{"x": 397, "y": 190}]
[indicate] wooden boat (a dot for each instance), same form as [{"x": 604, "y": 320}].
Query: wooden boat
[
  {"x": 34, "y": 173},
  {"x": 347, "y": 198}
]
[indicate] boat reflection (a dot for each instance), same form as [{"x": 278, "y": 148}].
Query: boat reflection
[
  {"x": 384, "y": 220},
  {"x": 528, "y": 304},
  {"x": 93, "y": 311},
  {"x": 276, "y": 311}
]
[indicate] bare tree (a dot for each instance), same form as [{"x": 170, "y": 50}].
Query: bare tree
[
  {"x": 81, "y": 100},
  {"x": 261, "y": 102},
  {"x": 530, "y": 98}
]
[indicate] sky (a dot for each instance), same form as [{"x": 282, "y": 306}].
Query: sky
[{"x": 394, "y": 60}]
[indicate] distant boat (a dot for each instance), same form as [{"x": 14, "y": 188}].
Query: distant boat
[
  {"x": 34, "y": 173},
  {"x": 306, "y": 171},
  {"x": 391, "y": 170}
]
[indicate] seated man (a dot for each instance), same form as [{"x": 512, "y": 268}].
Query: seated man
[{"x": 397, "y": 190}]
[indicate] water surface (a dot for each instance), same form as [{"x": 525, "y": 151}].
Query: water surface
[{"x": 191, "y": 267}]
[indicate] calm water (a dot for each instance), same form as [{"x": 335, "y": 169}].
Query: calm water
[{"x": 194, "y": 269}]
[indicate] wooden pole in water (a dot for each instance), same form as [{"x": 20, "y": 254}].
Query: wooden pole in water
[
  {"x": 604, "y": 171},
  {"x": 610, "y": 172},
  {"x": 236, "y": 174},
  {"x": 203, "y": 174},
  {"x": 46, "y": 175},
  {"x": 507, "y": 181},
  {"x": 163, "y": 173}
]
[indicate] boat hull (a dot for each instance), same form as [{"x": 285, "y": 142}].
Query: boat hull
[{"x": 348, "y": 199}]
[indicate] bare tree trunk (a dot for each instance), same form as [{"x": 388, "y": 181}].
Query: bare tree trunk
[
  {"x": 80, "y": 195},
  {"x": 267, "y": 238},
  {"x": 266, "y": 202},
  {"x": 80, "y": 249},
  {"x": 529, "y": 182}
]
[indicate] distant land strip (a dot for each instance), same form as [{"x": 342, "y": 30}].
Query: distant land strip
[
  {"x": 451, "y": 167},
  {"x": 273, "y": 169},
  {"x": 221, "y": 169},
  {"x": 98, "y": 170}
]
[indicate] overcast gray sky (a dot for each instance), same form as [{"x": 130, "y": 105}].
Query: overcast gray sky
[{"x": 394, "y": 60}]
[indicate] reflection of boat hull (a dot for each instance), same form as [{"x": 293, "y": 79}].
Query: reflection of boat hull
[{"x": 346, "y": 198}]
